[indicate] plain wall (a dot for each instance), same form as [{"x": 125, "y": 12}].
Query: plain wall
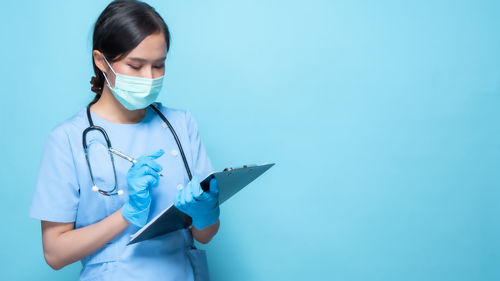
[{"x": 381, "y": 116}]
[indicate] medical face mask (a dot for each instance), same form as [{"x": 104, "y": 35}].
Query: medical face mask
[{"x": 134, "y": 92}]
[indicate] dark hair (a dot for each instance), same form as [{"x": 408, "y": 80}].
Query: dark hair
[{"x": 119, "y": 29}]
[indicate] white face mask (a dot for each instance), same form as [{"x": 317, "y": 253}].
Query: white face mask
[{"x": 134, "y": 92}]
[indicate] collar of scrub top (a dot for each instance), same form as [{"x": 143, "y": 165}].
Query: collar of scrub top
[{"x": 101, "y": 130}]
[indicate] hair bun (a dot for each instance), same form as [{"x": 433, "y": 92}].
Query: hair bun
[{"x": 96, "y": 86}]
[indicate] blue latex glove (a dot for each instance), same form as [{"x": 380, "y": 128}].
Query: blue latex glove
[
  {"x": 202, "y": 207},
  {"x": 141, "y": 177}
]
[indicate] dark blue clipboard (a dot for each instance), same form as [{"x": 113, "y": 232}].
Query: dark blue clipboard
[{"x": 230, "y": 181}]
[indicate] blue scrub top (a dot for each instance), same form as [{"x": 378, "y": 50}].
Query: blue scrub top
[{"x": 63, "y": 191}]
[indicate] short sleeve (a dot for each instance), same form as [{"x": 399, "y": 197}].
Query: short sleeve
[
  {"x": 202, "y": 164},
  {"x": 56, "y": 193}
]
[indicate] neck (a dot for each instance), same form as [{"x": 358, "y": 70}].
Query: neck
[{"x": 110, "y": 109}]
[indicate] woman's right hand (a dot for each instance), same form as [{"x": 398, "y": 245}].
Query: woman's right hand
[{"x": 142, "y": 176}]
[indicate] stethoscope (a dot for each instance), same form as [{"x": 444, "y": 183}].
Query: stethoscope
[{"x": 111, "y": 151}]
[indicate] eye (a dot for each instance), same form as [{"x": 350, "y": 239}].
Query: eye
[
  {"x": 159, "y": 66},
  {"x": 134, "y": 67}
]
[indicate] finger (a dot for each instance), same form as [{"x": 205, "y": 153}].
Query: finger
[
  {"x": 154, "y": 165},
  {"x": 188, "y": 195},
  {"x": 149, "y": 163},
  {"x": 140, "y": 191},
  {"x": 141, "y": 160},
  {"x": 181, "y": 196},
  {"x": 194, "y": 180},
  {"x": 177, "y": 200},
  {"x": 152, "y": 181},
  {"x": 156, "y": 155},
  {"x": 146, "y": 170},
  {"x": 196, "y": 188},
  {"x": 214, "y": 186},
  {"x": 197, "y": 191}
]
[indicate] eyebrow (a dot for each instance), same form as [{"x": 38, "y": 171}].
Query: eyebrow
[{"x": 144, "y": 60}]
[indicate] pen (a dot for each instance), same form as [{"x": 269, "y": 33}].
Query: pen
[{"x": 124, "y": 156}]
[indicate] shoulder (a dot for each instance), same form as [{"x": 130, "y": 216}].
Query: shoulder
[
  {"x": 71, "y": 126},
  {"x": 175, "y": 114},
  {"x": 181, "y": 117}
]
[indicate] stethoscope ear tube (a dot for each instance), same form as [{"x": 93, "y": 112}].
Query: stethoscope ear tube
[
  {"x": 96, "y": 128},
  {"x": 108, "y": 143},
  {"x": 176, "y": 140}
]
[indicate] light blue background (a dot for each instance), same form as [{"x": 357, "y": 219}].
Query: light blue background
[{"x": 382, "y": 117}]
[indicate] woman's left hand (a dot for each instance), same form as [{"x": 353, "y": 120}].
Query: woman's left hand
[{"x": 202, "y": 207}]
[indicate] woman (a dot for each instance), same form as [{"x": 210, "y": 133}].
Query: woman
[{"x": 87, "y": 211}]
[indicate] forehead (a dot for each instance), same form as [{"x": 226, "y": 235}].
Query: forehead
[{"x": 153, "y": 47}]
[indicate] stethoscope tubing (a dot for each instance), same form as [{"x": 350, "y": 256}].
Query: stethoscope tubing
[{"x": 112, "y": 151}]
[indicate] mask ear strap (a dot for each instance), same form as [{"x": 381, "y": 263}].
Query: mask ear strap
[
  {"x": 105, "y": 76},
  {"x": 109, "y": 64}
]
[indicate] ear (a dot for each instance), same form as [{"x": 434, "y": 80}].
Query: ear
[{"x": 99, "y": 61}]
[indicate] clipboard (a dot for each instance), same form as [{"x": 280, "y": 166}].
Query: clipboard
[{"x": 230, "y": 181}]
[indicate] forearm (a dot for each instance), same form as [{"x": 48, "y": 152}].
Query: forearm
[
  {"x": 206, "y": 234},
  {"x": 76, "y": 244}
]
